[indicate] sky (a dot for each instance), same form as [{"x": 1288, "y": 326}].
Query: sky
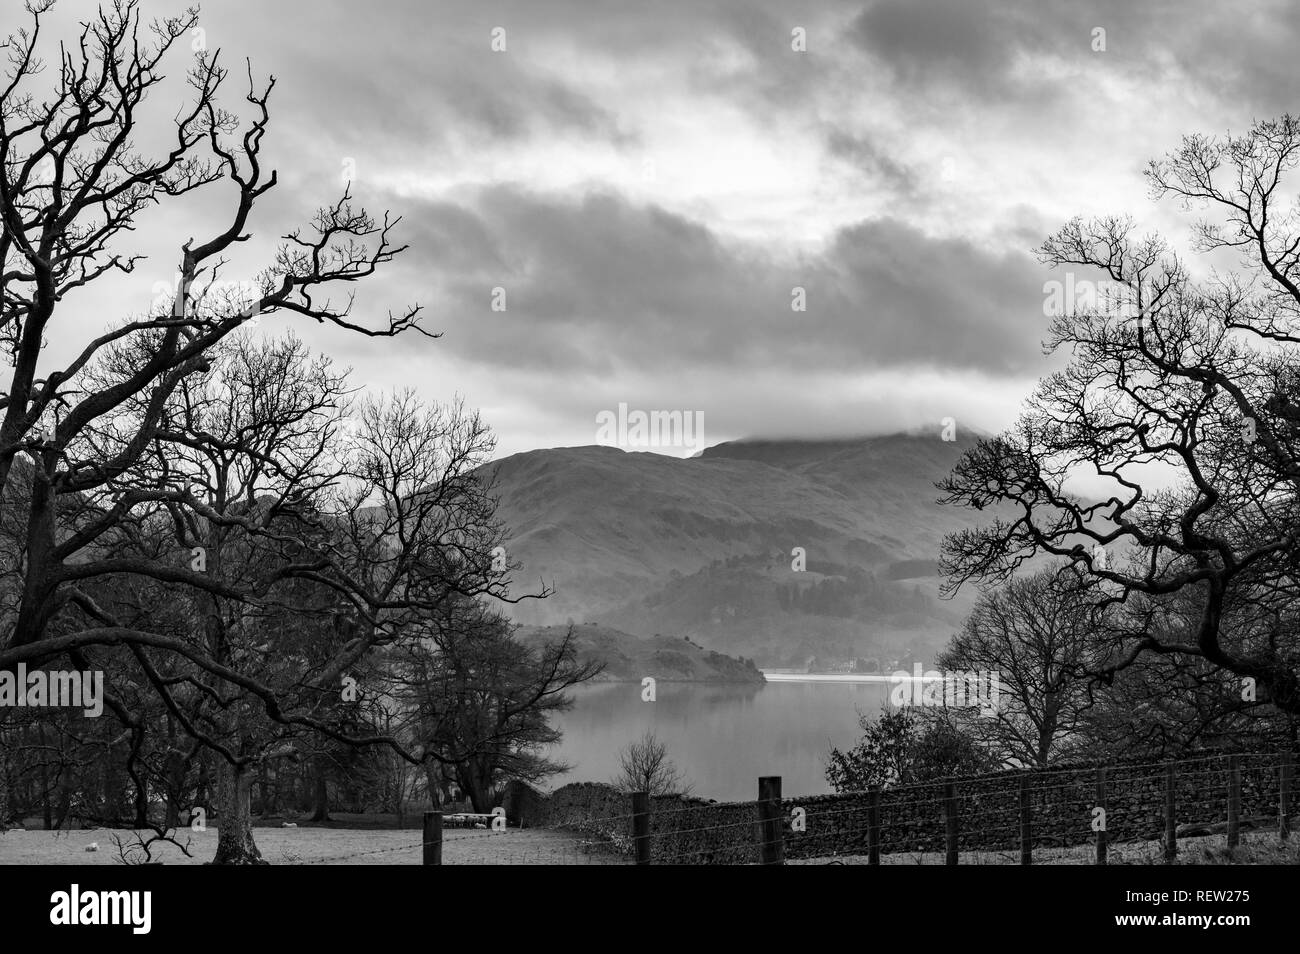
[{"x": 644, "y": 185}]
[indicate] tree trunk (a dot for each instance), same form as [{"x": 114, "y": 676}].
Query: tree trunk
[
  {"x": 175, "y": 767},
  {"x": 235, "y": 844},
  {"x": 477, "y": 788},
  {"x": 202, "y": 793},
  {"x": 113, "y": 811},
  {"x": 47, "y": 810},
  {"x": 321, "y": 795},
  {"x": 4, "y": 789},
  {"x": 141, "y": 804},
  {"x": 65, "y": 806},
  {"x": 432, "y": 778}
]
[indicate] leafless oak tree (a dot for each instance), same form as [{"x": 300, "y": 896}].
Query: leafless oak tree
[
  {"x": 1037, "y": 633},
  {"x": 361, "y": 537},
  {"x": 1185, "y": 401}
]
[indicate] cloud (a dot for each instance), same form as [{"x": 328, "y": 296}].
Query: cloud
[
  {"x": 874, "y": 160},
  {"x": 1015, "y": 57},
  {"x": 971, "y": 47},
  {"x": 597, "y": 284},
  {"x": 899, "y": 171}
]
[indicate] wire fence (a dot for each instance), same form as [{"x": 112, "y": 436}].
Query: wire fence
[
  {"x": 1122, "y": 814},
  {"x": 1202, "y": 809},
  {"x": 510, "y": 846}
]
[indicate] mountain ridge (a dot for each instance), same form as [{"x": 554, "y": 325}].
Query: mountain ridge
[{"x": 709, "y": 546}]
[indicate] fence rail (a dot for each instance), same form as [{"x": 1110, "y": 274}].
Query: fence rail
[{"x": 1111, "y": 813}]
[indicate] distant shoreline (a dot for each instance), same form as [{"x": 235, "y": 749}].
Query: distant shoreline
[
  {"x": 776, "y": 676},
  {"x": 785, "y": 675},
  {"x": 615, "y": 680}
]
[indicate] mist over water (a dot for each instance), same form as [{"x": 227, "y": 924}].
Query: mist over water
[{"x": 721, "y": 737}]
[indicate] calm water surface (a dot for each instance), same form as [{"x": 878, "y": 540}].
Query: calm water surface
[{"x": 722, "y": 737}]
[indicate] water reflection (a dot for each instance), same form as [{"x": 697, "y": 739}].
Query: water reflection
[{"x": 722, "y": 737}]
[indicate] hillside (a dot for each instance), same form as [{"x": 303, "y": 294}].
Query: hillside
[
  {"x": 702, "y": 546},
  {"x": 630, "y": 658}
]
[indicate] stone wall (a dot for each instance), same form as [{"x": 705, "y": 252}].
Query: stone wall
[
  {"x": 1062, "y": 803},
  {"x": 1062, "y": 800},
  {"x": 603, "y": 812}
]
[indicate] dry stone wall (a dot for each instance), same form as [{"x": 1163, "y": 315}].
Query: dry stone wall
[{"x": 1062, "y": 802}]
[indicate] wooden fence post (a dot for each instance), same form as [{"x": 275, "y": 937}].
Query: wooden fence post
[
  {"x": 772, "y": 844},
  {"x": 641, "y": 826},
  {"x": 873, "y": 825},
  {"x": 950, "y": 822},
  {"x": 1234, "y": 801},
  {"x": 1101, "y": 803},
  {"x": 1284, "y": 795},
  {"x": 1171, "y": 813},
  {"x": 433, "y": 838},
  {"x": 1026, "y": 831}
]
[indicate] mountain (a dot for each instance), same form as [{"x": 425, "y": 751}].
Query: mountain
[
  {"x": 703, "y": 546},
  {"x": 630, "y": 658}
]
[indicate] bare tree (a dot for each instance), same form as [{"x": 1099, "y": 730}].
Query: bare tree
[
  {"x": 254, "y": 433},
  {"x": 644, "y": 766},
  {"x": 71, "y": 188},
  {"x": 1037, "y": 634},
  {"x": 1168, "y": 704},
  {"x": 1192, "y": 388},
  {"x": 481, "y": 702},
  {"x": 94, "y": 452}
]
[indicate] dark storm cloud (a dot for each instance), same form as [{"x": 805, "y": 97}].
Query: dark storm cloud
[
  {"x": 979, "y": 50},
  {"x": 596, "y": 283},
  {"x": 823, "y": 169},
  {"x": 985, "y": 313},
  {"x": 970, "y": 45},
  {"x": 1243, "y": 55},
  {"x": 464, "y": 92}
]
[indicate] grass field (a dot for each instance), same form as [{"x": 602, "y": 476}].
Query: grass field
[
  {"x": 341, "y": 846},
  {"x": 382, "y": 845}
]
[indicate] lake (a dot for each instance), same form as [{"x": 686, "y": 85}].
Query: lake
[{"x": 722, "y": 737}]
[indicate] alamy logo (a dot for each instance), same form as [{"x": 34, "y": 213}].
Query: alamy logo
[
  {"x": 1083, "y": 296},
  {"x": 959, "y": 689},
  {"x": 177, "y": 298},
  {"x": 624, "y": 428},
  {"x": 102, "y": 907},
  {"x": 53, "y": 688}
]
